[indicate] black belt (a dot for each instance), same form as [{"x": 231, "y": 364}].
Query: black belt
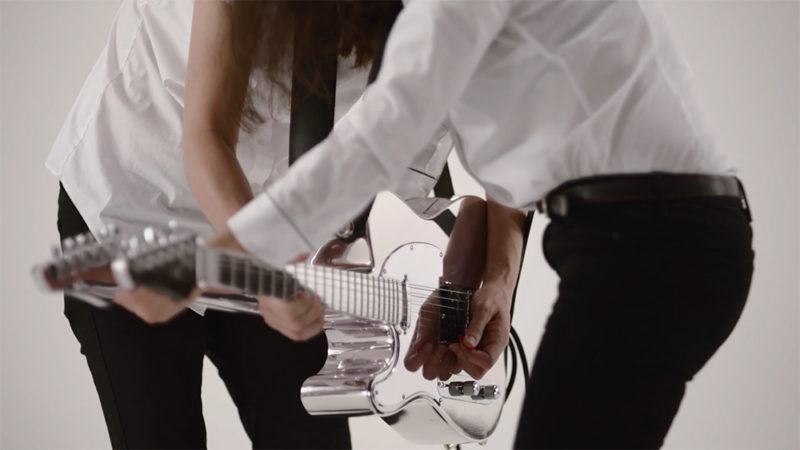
[{"x": 640, "y": 187}]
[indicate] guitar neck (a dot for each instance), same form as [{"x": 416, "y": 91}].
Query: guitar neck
[{"x": 354, "y": 293}]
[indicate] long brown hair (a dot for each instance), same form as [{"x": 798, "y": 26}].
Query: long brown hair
[{"x": 264, "y": 35}]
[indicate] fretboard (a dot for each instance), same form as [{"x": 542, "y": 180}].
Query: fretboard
[{"x": 354, "y": 293}]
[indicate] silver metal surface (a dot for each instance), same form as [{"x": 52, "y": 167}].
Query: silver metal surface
[
  {"x": 356, "y": 255},
  {"x": 364, "y": 371},
  {"x": 429, "y": 208},
  {"x": 228, "y": 304},
  {"x": 94, "y": 300}
]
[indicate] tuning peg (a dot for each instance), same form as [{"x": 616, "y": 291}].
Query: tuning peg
[
  {"x": 172, "y": 224},
  {"x": 80, "y": 239},
  {"x": 109, "y": 231},
  {"x": 133, "y": 243},
  {"x": 68, "y": 243},
  {"x": 149, "y": 235},
  {"x": 55, "y": 251}
]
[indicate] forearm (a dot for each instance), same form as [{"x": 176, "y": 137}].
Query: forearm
[
  {"x": 215, "y": 177},
  {"x": 464, "y": 259},
  {"x": 216, "y": 87},
  {"x": 503, "y": 247}
]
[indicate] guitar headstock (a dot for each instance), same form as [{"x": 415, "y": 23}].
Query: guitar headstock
[
  {"x": 79, "y": 259},
  {"x": 162, "y": 259}
]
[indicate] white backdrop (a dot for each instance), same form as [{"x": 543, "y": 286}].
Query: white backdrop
[{"x": 745, "y": 55}]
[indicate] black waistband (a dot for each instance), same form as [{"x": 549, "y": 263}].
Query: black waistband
[{"x": 638, "y": 187}]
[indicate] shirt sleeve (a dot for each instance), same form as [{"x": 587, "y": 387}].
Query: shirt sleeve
[{"x": 431, "y": 54}]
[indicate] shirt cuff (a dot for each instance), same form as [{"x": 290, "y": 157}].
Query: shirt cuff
[{"x": 257, "y": 224}]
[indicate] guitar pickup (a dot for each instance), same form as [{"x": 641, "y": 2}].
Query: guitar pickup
[{"x": 453, "y": 311}]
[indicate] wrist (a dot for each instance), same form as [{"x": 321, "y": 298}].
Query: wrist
[
  {"x": 503, "y": 290},
  {"x": 225, "y": 239}
]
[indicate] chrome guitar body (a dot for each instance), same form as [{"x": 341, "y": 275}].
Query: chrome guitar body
[{"x": 364, "y": 371}]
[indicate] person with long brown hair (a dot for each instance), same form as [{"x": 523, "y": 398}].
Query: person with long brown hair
[
  {"x": 584, "y": 111},
  {"x": 133, "y": 153}
]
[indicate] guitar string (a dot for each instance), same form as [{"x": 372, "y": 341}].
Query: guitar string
[
  {"x": 416, "y": 296},
  {"x": 241, "y": 268},
  {"x": 424, "y": 317},
  {"x": 413, "y": 290},
  {"x": 325, "y": 270},
  {"x": 418, "y": 290}
]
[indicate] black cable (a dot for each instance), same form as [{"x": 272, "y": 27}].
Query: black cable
[
  {"x": 513, "y": 377},
  {"x": 515, "y": 340},
  {"x": 523, "y": 359}
]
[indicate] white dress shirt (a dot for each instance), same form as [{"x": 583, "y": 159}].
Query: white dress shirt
[
  {"x": 119, "y": 153},
  {"x": 536, "y": 93}
]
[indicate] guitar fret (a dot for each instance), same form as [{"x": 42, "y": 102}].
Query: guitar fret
[
  {"x": 370, "y": 297},
  {"x": 328, "y": 296},
  {"x": 340, "y": 290},
  {"x": 371, "y": 304},
  {"x": 383, "y": 299},
  {"x": 392, "y": 302},
  {"x": 364, "y": 294},
  {"x": 320, "y": 284},
  {"x": 245, "y": 276},
  {"x": 233, "y": 272},
  {"x": 354, "y": 286},
  {"x": 284, "y": 285},
  {"x": 305, "y": 279},
  {"x": 334, "y": 273},
  {"x": 380, "y": 298},
  {"x": 300, "y": 277},
  {"x": 351, "y": 294},
  {"x": 252, "y": 282},
  {"x": 331, "y": 286},
  {"x": 253, "y": 285},
  {"x": 260, "y": 281},
  {"x": 271, "y": 283},
  {"x": 363, "y": 288}
]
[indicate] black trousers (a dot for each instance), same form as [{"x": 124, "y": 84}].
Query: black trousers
[
  {"x": 648, "y": 292},
  {"x": 148, "y": 377}
]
